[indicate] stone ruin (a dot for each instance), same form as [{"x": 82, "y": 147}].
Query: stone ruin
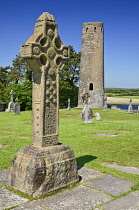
[{"x": 46, "y": 165}]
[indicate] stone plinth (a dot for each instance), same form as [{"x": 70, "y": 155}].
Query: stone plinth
[
  {"x": 46, "y": 165},
  {"x": 39, "y": 171}
]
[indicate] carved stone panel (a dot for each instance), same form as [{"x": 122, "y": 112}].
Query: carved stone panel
[{"x": 45, "y": 54}]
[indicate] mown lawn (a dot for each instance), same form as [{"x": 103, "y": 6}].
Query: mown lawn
[{"x": 90, "y": 151}]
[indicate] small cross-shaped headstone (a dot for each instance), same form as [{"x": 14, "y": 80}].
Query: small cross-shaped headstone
[
  {"x": 68, "y": 104},
  {"x": 105, "y": 108},
  {"x": 130, "y": 106}
]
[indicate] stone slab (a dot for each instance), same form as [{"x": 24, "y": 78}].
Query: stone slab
[
  {"x": 30, "y": 205},
  {"x": 87, "y": 173},
  {"x": 128, "y": 202},
  {"x": 9, "y": 199},
  {"x": 110, "y": 184},
  {"x": 4, "y": 177},
  {"x": 128, "y": 169},
  {"x": 79, "y": 198}
]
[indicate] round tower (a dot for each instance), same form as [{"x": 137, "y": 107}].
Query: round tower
[{"x": 92, "y": 64}]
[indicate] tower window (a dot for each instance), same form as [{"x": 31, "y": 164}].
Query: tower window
[
  {"x": 86, "y": 29},
  {"x": 95, "y": 28},
  {"x": 91, "y": 86},
  {"x": 101, "y": 29}
]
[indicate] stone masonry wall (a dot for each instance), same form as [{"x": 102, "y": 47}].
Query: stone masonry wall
[{"x": 92, "y": 64}]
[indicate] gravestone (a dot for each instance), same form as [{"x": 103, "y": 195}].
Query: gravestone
[
  {"x": 11, "y": 103},
  {"x": 138, "y": 110},
  {"x": 130, "y": 107},
  {"x": 86, "y": 112},
  {"x": 105, "y": 108},
  {"x": 68, "y": 104},
  {"x": 46, "y": 165},
  {"x": 2, "y": 106},
  {"x": 97, "y": 115},
  {"x": 16, "y": 107}
]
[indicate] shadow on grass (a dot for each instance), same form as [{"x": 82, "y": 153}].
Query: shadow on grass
[{"x": 81, "y": 161}]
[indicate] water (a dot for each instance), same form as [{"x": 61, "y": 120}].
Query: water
[{"x": 123, "y": 106}]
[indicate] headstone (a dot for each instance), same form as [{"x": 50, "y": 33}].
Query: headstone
[
  {"x": 105, "y": 108},
  {"x": 138, "y": 110},
  {"x": 16, "y": 107},
  {"x": 46, "y": 165},
  {"x": 97, "y": 115},
  {"x": 86, "y": 112},
  {"x": 68, "y": 104},
  {"x": 11, "y": 103},
  {"x": 2, "y": 106},
  {"x": 130, "y": 107}
]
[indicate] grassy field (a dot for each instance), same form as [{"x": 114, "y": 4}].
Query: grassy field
[
  {"x": 123, "y": 100},
  {"x": 90, "y": 150}
]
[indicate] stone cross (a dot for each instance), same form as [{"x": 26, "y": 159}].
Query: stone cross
[
  {"x": 45, "y": 165},
  {"x": 130, "y": 107},
  {"x": 105, "y": 108},
  {"x": 45, "y": 54},
  {"x": 11, "y": 103},
  {"x": 68, "y": 104},
  {"x": 12, "y": 96},
  {"x": 85, "y": 97}
]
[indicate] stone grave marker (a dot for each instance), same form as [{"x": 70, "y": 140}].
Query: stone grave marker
[
  {"x": 68, "y": 104},
  {"x": 138, "y": 110},
  {"x": 46, "y": 165},
  {"x": 11, "y": 103},
  {"x": 105, "y": 108},
  {"x": 97, "y": 115},
  {"x": 17, "y": 107},
  {"x": 130, "y": 107},
  {"x": 86, "y": 112}
]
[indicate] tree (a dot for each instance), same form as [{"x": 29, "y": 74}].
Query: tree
[
  {"x": 4, "y": 74},
  {"x": 69, "y": 77},
  {"x": 17, "y": 71}
]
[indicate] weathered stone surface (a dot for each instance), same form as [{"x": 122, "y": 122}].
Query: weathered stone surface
[
  {"x": 79, "y": 198},
  {"x": 87, "y": 173},
  {"x": 128, "y": 169},
  {"x": 87, "y": 114},
  {"x": 45, "y": 54},
  {"x": 111, "y": 184},
  {"x": 30, "y": 206},
  {"x": 9, "y": 199},
  {"x": 46, "y": 165},
  {"x": 92, "y": 64},
  {"x": 128, "y": 202},
  {"x": 4, "y": 177},
  {"x": 39, "y": 171}
]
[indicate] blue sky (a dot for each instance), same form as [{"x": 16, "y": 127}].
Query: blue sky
[{"x": 121, "y": 36}]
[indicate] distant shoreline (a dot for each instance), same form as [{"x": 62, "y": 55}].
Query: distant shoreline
[{"x": 114, "y": 100}]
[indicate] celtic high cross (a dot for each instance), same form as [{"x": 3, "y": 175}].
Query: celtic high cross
[{"x": 45, "y": 54}]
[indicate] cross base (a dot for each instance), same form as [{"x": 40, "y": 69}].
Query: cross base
[{"x": 39, "y": 171}]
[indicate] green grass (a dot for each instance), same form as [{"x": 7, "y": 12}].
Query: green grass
[{"x": 90, "y": 151}]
